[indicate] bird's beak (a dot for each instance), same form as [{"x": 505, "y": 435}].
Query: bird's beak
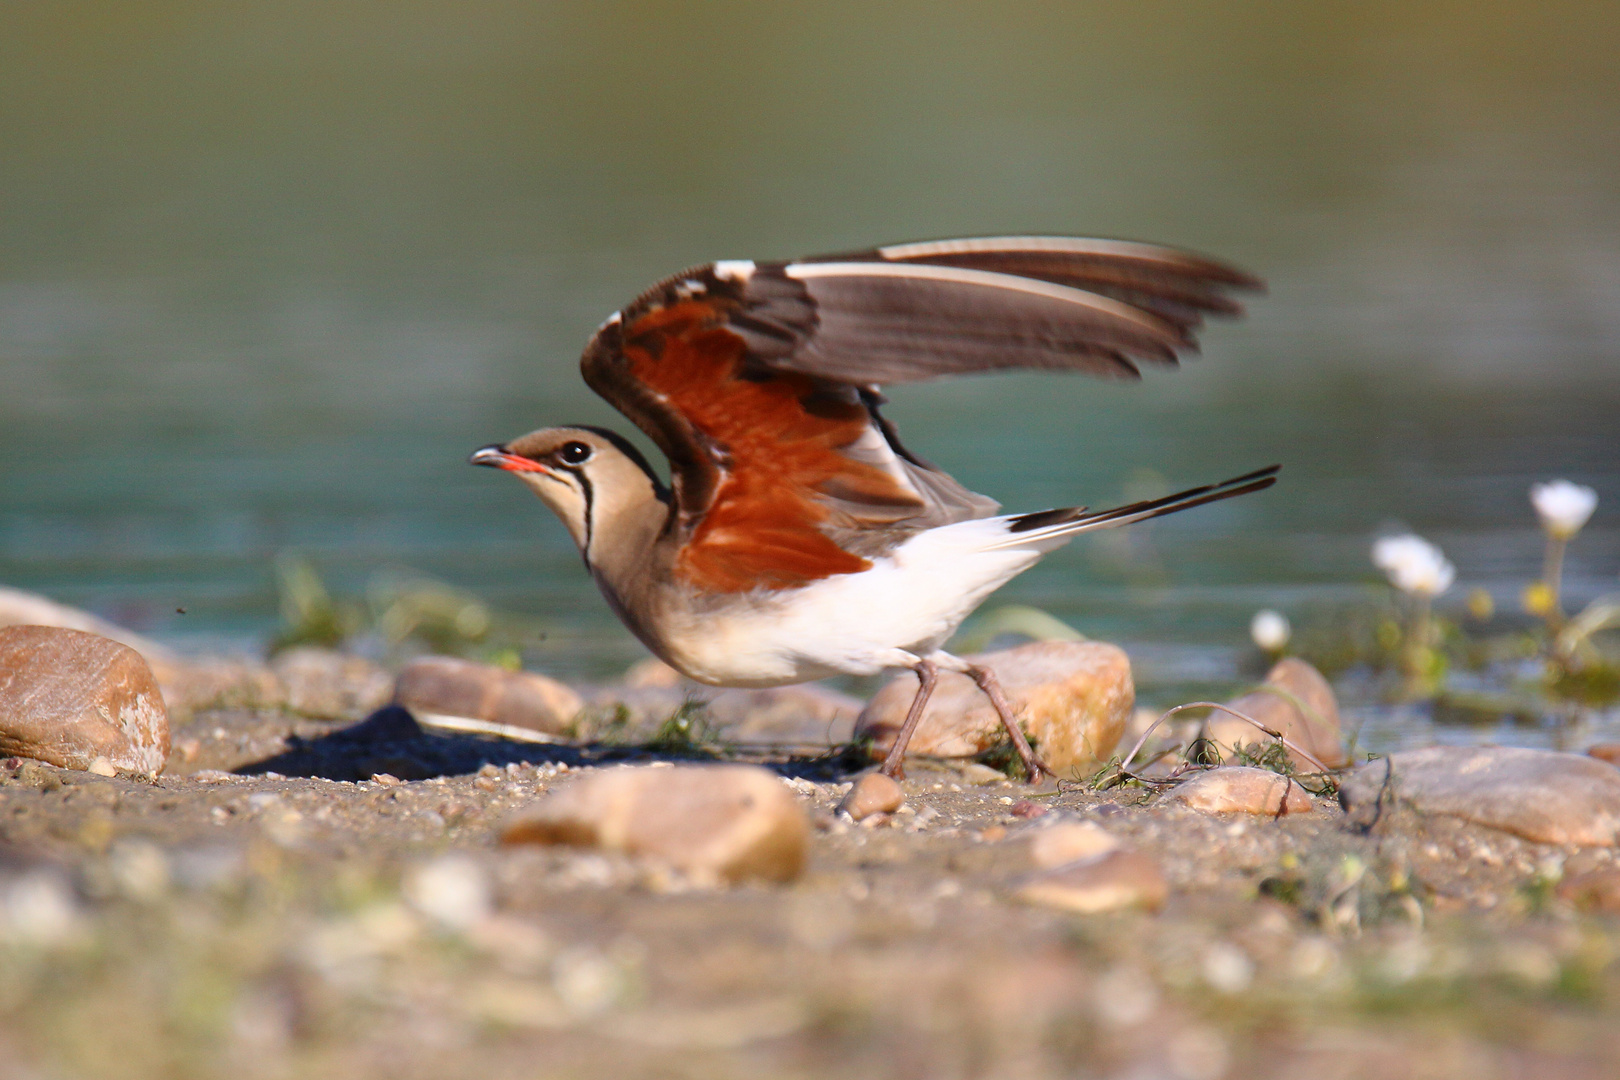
[{"x": 499, "y": 457}]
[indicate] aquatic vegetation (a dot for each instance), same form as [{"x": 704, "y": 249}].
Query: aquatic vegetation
[
  {"x": 403, "y": 613},
  {"x": 1422, "y": 572},
  {"x": 1563, "y": 508}
]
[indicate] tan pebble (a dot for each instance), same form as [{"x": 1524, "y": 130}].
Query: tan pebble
[
  {"x": 1074, "y": 698},
  {"x": 1609, "y": 752},
  {"x": 1595, "y": 890},
  {"x": 1290, "y": 684},
  {"x": 1112, "y": 881},
  {"x": 651, "y": 672},
  {"x": 1069, "y": 841},
  {"x": 993, "y": 834},
  {"x": 1539, "y": 795},
  {"x": 712, "y": 823},
  {"x": 1241, "y": 789},
  {"x": 69, "y": 697},
  {"x": 452, "y": 687},
  {"x": 873, "y": 793},
  {"x": 322, "y": 682},
  {"x": 101, "y": 767}
]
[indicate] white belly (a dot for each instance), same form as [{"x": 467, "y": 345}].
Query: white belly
[{"x": 907, "y": 604}]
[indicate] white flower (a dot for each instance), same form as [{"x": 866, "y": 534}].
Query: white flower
[
  {"x": 1270, "y": 630},
  {"x": 1414, "y": 565},
  {"x": 1563, "y": 507}
]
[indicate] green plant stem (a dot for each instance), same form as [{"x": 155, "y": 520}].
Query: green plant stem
[
  {"x": 1553, "y": 574},
  {"x": 1417, "y": 638}
]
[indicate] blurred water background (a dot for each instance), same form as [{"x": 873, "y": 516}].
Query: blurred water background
[{"x": 269, "y": 272}]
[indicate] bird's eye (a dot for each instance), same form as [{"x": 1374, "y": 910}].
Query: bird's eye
[{"x": 574, "y": 453}]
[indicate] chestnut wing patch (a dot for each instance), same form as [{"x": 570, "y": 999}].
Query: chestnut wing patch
[
  {"x": 777, "y": 442},
  {"x": 759, "y": 381}
]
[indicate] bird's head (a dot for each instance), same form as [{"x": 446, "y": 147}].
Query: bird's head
[{"x": 588, "y": 476}]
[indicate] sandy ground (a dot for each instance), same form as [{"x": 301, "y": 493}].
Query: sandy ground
[{"x": 211, "y": 923}]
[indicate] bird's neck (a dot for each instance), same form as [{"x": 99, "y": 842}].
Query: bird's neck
[{"x": 623, "y": 535}]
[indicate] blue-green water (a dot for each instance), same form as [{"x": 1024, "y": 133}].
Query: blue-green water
[{"x": 267, "y": 274}]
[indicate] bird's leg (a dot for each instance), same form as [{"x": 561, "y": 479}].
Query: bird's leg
[
  {"x": 927, "y": 676},
  {"x": 1033, "y": 767}
]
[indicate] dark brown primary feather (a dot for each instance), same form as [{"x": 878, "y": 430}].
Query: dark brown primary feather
[
  {"x": 1178, "y": 286},
  {"x": 759, "y": 381}
]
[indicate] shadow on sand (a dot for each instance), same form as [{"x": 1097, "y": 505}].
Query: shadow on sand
[{"x": 391, "y": 741}]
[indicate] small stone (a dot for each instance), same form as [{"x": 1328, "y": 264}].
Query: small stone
[
  {"x": 1073, "y": 699},
  {"x": 712, "y": 823},
  {"x": 651, "y": 673},
  {"x": 398, "y": 766},
  {"x": 101, "y": 767},
  {"x": 70, "y": 698},
  {"x": 451, "y": 687},
  {"x": 1065, "y": 842},
  {"x": 1595, "y": 890},
  {"x": 1241, "y": 789},
  {"x": 802, "y": 714},
  {"x": 1110, "y": 882},
  {"x": 39, "y": 907},
  {"x": 1541, "y": 795},
  {"x": 1315, "y": 727},
  {"x": 1609, "y": 752},
  {"x": 192, "y": 685},
  {"x": 979, "y": 775},
  {"x": 453, "y": 890},
  {"x": 873, "y": 793},
  {"x": 1028, "y": 810},
  {"x": 320, "y": 682}
]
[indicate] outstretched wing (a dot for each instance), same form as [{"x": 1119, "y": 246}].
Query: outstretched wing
[{"x": 759, "y": 381}]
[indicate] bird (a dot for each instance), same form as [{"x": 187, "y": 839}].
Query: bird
[{"x": 796, "y": 537}]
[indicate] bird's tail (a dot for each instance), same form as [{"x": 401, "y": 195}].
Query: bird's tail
[{"x": 1053, "y": 524}]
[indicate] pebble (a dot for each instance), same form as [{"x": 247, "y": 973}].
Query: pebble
[
  {"x": 452, "y": 687},
  {"x": 1595, "y": 890},
  {"x": 1609, "y": 752},
  {"x": 452, "y": 890},
  {"x": 1242, "y": 789},
  {"x": 1541, "y": 795},
  {"x": 802, "y": 714},
  {"x": 1065, "y": 842},
  {"x": 1316, "y": 728},
  {"x": 321, "y": 682},
  {"x": 873, "y": 793},
  {"x": 712, "y": 823},
  {"x": 1072, "y": 697},
  {"x": 78, "y": 700},
  {"x": 39, "y": 907},
  {"x": 1112, "y": 881}
]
